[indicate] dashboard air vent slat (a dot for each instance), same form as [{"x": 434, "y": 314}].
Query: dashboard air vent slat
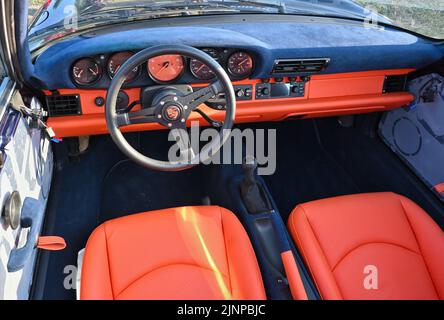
[
  {"x": 395, "y": 84},
  {"x": 63, "y": 105},
  {"x": 297, "y": 66}
]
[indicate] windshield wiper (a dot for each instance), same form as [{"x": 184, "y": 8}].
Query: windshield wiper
[{"x": 158, "y": 7}]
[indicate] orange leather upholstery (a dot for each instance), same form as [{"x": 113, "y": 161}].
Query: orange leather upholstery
[
  {"x": 345, "y": 240},
  {"x": 181, "y": 253},
  {"x": 293, "y": 276}
]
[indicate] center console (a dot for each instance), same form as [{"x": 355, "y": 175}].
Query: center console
[{"x": 278, "y": 258}]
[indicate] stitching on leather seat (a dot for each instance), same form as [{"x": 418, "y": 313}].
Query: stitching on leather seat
[
  {"x": 108, "y": 260},
  {"x": 419, "y": 245},
  {"x": 370, "y": 243},
  {"x": 226, "y": 251},
  {"x": 166, "y": 266},
  {"x": 298, "y": 240},
  {"x": 292, "y": 221}
]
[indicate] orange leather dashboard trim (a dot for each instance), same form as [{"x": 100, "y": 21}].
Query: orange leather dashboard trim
[{"x": 325, "y": 95}]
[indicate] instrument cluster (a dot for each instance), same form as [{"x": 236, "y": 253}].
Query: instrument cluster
[{"x": 98, "y": 71}]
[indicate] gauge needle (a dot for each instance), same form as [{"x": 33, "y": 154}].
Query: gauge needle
[
  {"x": 246, "y": 60},
  {"x": 200, "y": 68},
  {"x": 164, "y": 66},
  {"x": 92, "y": 71},
  {"x": 80, "y": 73}
]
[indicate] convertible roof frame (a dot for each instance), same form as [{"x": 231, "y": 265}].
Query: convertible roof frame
[
  {"x": 7, "y": 39},
  {"x": 14, "y": 40}
]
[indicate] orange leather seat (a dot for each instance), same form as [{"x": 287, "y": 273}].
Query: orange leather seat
[
  {"x": 182, "y": 253},
  {"x": 370, "y": 246}
]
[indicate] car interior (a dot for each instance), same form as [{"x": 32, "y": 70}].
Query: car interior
[{"x": 357, "y": 191}]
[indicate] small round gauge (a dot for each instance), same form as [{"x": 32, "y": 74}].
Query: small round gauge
[
  {"x": 240, "y": 64},
  {"x": 202, "y": 71},
  {"x": 86, "y": 71},
  {"x": 166, "y": 68},
  {"x": 117, "y": 60}
]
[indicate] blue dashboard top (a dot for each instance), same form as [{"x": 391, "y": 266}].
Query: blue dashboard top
[{"x": 351, "y": 46}]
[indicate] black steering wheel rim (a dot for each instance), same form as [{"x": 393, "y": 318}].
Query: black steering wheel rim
[{"x": 111, "y": 115}]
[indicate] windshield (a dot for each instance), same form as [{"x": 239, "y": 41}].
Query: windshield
[{"x": 52, "y": 19}]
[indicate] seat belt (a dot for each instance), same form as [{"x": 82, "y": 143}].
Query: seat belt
[
  {"x": 293, "y": 276},
  {"x": 294, "y": 279}
]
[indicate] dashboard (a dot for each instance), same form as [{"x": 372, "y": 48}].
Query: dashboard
[{"x": 281, "y": 67}]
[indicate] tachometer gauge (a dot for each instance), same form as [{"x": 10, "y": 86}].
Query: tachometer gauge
[
  {"x": 86, "y": 71},
  {"x": 166, "y": 68},
  {"x": 240, "y": 64},
  {"x": 117, "y": 60}
]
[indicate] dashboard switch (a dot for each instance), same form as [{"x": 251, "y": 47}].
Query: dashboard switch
[
  {"x": 279, "y": 90},
  {"x": 243, "y": 92},
  {"x": 298, "y": 89},
  {"x": 122, "y": 101},
  {"x": 99, "y": 101},
  {"x": 240, "y": 93},
  {"x": 263, "y": 90}
]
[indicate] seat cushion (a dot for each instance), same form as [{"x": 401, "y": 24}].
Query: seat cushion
[
  {"x": 370, "y": 246},
  {"x": 182, "y": 253}
]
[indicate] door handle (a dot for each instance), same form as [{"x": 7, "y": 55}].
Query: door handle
[{"x": 19, "y": 256}]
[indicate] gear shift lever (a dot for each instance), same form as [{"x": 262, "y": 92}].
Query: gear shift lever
[
  {"x": 249, "y": 167},
  {"x": 253, "y": 194}
]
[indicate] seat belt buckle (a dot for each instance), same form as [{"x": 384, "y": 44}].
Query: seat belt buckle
[{"x": 51, "y": 243}]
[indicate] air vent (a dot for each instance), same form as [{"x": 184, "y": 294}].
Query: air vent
[
  {"x": 395, "y": 84},
  {"x": 287, "y": 66},
  {"x": 63, "y": 105}
]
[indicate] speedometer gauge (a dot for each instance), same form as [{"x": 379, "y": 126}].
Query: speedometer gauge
[
  {"x": 86, "y": 71},
  {"x": 115, "y": 63},
  {"x": 166, "y": 68}
]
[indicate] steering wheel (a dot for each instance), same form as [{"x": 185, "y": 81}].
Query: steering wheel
[{"x": 171, "y": 109}]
